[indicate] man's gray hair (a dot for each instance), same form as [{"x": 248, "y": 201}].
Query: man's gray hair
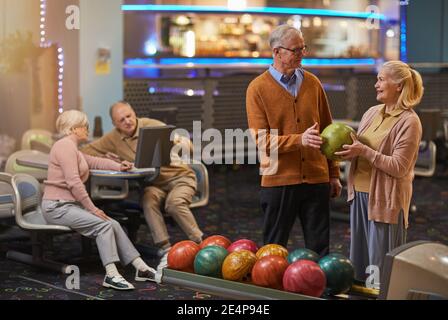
[
  {"x": 112, "y": 107},
  {"x": 281, "y": 33}
]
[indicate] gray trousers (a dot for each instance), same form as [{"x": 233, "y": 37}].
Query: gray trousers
[
  {"x": 112, "y": 242},
  {"x": 370, "y": 241}
]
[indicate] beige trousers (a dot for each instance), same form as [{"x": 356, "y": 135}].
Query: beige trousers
[{"x": 174, "y": 199}]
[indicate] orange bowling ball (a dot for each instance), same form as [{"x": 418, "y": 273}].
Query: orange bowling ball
[
  {"x": 215, "y": 240},
  {"x": 237, "y": 266},
  {"x": 272, "y": 249},
  {"x": 268, "y": 272},
  {"x": 181, "y": 256}
]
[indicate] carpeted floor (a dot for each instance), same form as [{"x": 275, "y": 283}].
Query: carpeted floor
[{"x": 233, "y": 211}]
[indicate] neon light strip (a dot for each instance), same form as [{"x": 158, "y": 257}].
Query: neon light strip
[
  {"x": 129, "y": 63},
  {"x": 403, "y": 34},
  {"x": 253, "y": 10}
]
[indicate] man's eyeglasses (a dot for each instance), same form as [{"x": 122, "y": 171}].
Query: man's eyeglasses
[{"x": 296, "y": 51}]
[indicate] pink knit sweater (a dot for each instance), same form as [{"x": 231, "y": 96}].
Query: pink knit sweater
[
  {"x": 68, "y": 169},
  {"x": 392, "y": 167}
]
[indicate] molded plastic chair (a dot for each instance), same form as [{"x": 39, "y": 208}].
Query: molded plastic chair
[
  {"x": 6, "y": 198},
  {"x": 108, "y": 189},
  {"x": 12, "y": 167},
  {"x": 26, "y": 198},
  {"x": 39, "y": 138},
  {"x": 426, "y": 160},
  {"x": 200, "y": 199}
]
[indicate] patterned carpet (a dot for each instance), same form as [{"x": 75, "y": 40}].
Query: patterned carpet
[{"x": 233, "y": 211}]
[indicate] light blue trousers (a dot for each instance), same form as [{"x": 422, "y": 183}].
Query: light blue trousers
[{"x": 370, "y": 241}]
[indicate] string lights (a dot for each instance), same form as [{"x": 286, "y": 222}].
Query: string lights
[
  {"x": 43, "y": 13},
  {"x": 45, "y": 44}
]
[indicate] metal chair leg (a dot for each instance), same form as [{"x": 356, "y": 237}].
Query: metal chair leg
[{"x": 37, "y": 259}]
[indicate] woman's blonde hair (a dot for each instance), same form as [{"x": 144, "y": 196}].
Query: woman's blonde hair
[
  {"x": 411, "y": 81},
  {"x": 69, "y": 120}
]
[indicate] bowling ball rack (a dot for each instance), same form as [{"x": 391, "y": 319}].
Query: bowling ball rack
[
  {"x": 227, "y": 289},
  {"x": 244, "y": 291}
]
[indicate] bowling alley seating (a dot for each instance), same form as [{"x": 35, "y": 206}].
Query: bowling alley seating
[
  {"x": 112, "y": 194},
  {"x": 200, "y": 199},
  {"x": 12, "y": 167},
  {"x": 426, "y": 161},
  {"x": 23, "y": 203},
  {"x": 445, "y": 132},
  {"x": 6, "y": 200},
  {"x": 37, "y": 139}
]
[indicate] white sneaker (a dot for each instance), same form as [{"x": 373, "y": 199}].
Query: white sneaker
[
  {"x": 117, "y": 282},
  {"x": 163, "y": 263}
]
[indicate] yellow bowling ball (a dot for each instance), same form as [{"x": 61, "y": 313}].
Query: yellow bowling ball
[{"x": 272, "y": 249}]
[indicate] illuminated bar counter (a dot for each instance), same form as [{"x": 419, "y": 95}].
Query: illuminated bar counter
[{"x": 195, "y": 62}]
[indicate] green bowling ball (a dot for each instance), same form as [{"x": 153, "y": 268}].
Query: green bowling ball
[
  {"x": 303, "y": 254},
  {"x": 339, "y": 272},
  {"x": 208, "y": 261},
  {"x": 334, "y": 137}
]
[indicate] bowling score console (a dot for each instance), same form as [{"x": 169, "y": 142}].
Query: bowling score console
[{"x": 418, "y": 270}]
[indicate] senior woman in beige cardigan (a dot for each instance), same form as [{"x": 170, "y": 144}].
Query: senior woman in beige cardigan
[{"x": 382, "y": 167}]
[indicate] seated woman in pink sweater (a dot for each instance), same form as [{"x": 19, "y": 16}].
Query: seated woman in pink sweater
[
  {"x": 382, "y": 168},
  {"x": 66, "y": 201}
]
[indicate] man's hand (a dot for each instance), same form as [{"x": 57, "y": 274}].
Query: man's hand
[
  {"x": 100, "y": 214},
  {"x": 335, "y": 188},
  {"x": 311, "y": 137},
  {"x": 351, "y": 150},
  {"x": 126, "y": 165},
  {"x": 113, "y": 156}
]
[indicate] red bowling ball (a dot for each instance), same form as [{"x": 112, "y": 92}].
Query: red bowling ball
[
  {"x": 215, "y": 240},
  {"x": 243, "y": 244},
  {"x": 181, "y": 256},
  {"x": 305, "y": 277},
  {"x": 268, "y": 272}
]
